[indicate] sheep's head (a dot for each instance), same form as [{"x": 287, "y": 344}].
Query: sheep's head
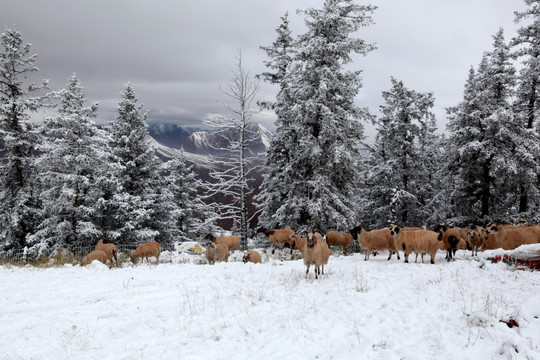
[
  {"x": 245, "y": 259},
  {"x": 356, "y": 231},
  {"x": 394, "y": 230},
  {"x": 210, "y": 237},
  {"x": 311, "y": 239}
]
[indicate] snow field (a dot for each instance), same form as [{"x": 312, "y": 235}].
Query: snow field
[{"x": 375, "y": 309}]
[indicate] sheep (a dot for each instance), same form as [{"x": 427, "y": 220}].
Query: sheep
[
  {"x": 451, "y": 238},
  {"x": 326, "y": 252},
  {"x": 314, "y": 252},
  {"x": 278, "y": 236},
  {"x": 95, "y": 255},
  {"x": 147, "y": 250},
  {"x": 252, "y": 256},
  {"x": 217, "y": 252},
  {"x": 109, "y": 249},
  {"x": 298, "y": 243},
  {"x": 374, "y": 240},
  {"x": 511, "y": 238},
  {"x": 475, "y": 236},
  {"x": 336, "y": 238},
  {"x": 418, "y": 241},
  {"x": 232, "y": 241}
]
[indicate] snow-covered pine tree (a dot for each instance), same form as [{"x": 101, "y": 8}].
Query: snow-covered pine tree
[
  {"x": 527, "y": 43},
  {"x": 484, "y": 138},
  {"x": 18, "y": 138},
  {"x": 278, "y": 155},
  {"x": 73, "y": 155},
  {"x": 322, "y": 131},
  {"x": 136, "y": 164},
  {"x": 232, "y": 173},
  {"x": 399, "y": 182},
  {"x": 187, "y": 213}
]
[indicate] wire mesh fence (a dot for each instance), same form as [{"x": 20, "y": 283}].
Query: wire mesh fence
[{"x": 76, "y": 253}]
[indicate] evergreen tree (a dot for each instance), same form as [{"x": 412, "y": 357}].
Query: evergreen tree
[
  {"x": 72, "y": 158},
  {"x": 135, "y": 162},
  {"x": 484, "y": 138},
  {"x": 18, "y": 198},
  {"x": 321, "y": 125},
  {"x": 526, "y": 107},
  {"x": 279, "y": 153},
  {"x": 185, "y": 209},
  {"x": 402, "y": 163}
]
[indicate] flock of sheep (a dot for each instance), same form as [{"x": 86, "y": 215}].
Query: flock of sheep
[{"x": 316, "y": 251}]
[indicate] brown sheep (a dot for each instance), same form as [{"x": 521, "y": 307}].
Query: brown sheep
[
  {"x": 109, "y": 249},
  {"x": 298, "y": 243},
  {"x": 475, "y": 236},
  {"x": 95, "y": 255},
  {"x": 252, "y": 256},
  {"x": 232, "y": 241},
  {"x": 336, "y": 238},
  {"x": 326, "y": 252},
  {"x": 375, "y": 240},
  {"x": 420, "y": 242},
  {"x": 147, "y": 250},
  {"x": 450, "y": 238},
  {"x": 278, "y": 236},
  {"x": 314, "y": 253},
  {"x": 217, "y": 252},
  {"x": 511, "y": 238}
]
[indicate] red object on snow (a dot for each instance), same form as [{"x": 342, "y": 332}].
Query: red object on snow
[{"x": 511, "y": 323}]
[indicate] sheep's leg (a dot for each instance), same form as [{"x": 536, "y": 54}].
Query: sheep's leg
[
  {"x": 390, "y": 254},
  {"x": 416, "y": 259},
  {"x": 307, "y": 270}
]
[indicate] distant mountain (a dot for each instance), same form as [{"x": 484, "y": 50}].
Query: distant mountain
[
  {"x": 198, "y": 146},
  {"x": 210, "y": 143},
  {"x": 171, "y": 135}
]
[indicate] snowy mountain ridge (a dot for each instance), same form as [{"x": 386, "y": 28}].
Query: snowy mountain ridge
[{"x": 199, "y": 145}]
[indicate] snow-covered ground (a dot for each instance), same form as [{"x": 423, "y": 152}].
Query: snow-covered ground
[{"x": 186, "y": 310}]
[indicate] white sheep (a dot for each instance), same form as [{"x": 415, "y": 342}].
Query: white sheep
[
  {"x": 109, "y": 249},
  {"x": 375, "y": 240},
  {"x": 314, "y": 253},
  {"x": 277, "y": 236},
  {"x": 232, "y": 241},
  {"x": 147, "y": 250},
  {"x": 217, "y": 252}
]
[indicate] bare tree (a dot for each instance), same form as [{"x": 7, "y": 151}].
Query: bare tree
[{"x": 235, "y": 164}]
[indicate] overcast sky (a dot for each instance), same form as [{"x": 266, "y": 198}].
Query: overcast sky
[{"x": 176, "y": 53}]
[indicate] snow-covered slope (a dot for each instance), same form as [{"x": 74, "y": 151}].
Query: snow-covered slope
[{"x": 358, "y": 309}]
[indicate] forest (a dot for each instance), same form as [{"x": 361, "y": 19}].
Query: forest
[{"x": 67, "y": 181}]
